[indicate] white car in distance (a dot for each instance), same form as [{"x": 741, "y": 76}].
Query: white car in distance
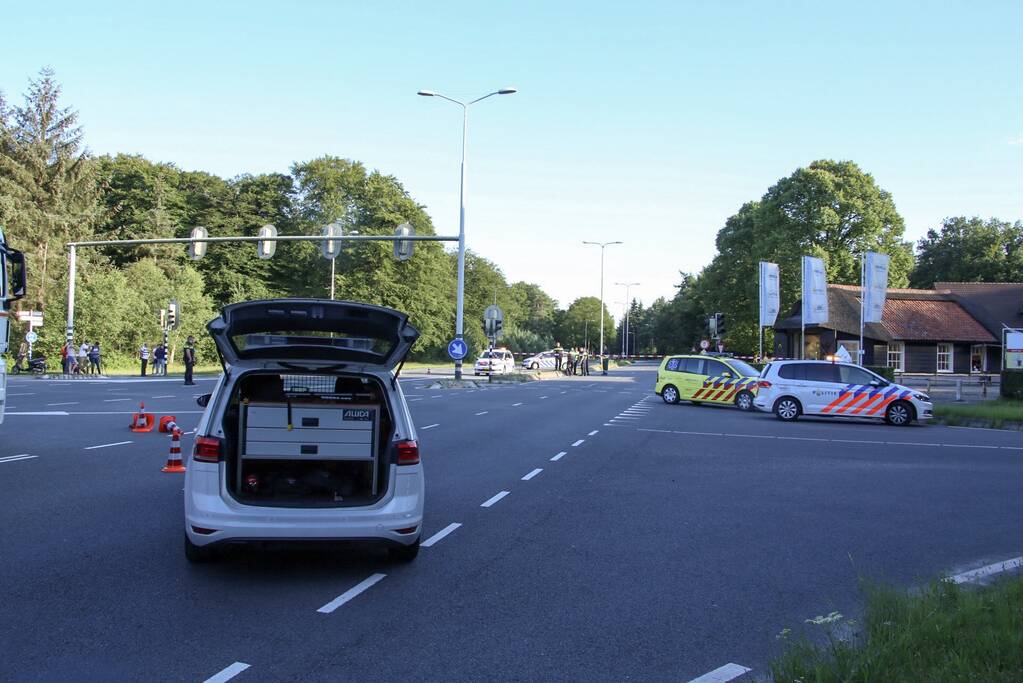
[{"x": 495, "y": 362}]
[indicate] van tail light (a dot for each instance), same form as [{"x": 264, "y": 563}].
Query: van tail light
[
  {"x": 408, "y": 453},
  {"x": 763, "y": 384},
  {"x": 206, "y": 449}
]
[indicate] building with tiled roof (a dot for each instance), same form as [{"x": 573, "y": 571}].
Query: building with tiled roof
[{"x": 953, "y": 328}]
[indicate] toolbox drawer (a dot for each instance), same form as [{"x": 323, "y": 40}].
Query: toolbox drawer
[
  {"x": 275, "y": 416},
  {"x": 285, "y": 450},
  {"x": 298, "y": 435}
]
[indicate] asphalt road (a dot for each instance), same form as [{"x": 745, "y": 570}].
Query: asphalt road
[{"x": 665, "y": 542}]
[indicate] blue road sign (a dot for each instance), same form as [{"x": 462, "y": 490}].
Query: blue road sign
[{"x": 457, "y": 349}]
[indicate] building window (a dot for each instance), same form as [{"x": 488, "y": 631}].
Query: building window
[
  {"x": 978, "y": 362},
  {"x": 896, "y": 356},
  {"x": 944, "y": 358}
]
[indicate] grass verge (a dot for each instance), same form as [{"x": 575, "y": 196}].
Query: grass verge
[
  {"x": 997, "y": 411},
  {"x": 942, "y": 633}
]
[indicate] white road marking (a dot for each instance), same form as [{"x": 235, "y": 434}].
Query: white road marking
[
  {"x": 436, "y": 424},
  {"x": 722, "y": 674},
  {"x": 855, "y": 441},
  {"x": 437, "y": 396},
  {"x": 624, "y": 417},
  {"x": 564, "y": 392},
  {"x": 989, "y": 570},
  {"x": 66, "y": 403},
  {"x": 483, "y": 412},
  {"x": 228, "y": 673},
  {"x": 516, "y": 404},
  {"x": 909, "y": 443},
  {"x": 801, "y": 438},
  {"x": 663, "y": 431},
  {"x": 699, "y": 433},
  {"x": 43, "y": 412},
  {"x": 1012, "y": 448},
  {"x": 542, "y": 397},
  {"x": 107, "y": 445},
  {"x": 165, "y": 396},
  {"x": 111, "y": 400},
  {"x": 963, "y": 445},
  {"x": 23, "y": 456},
  {"x": 493, "y": 500},
  {"x": 361, "y": 587},
  {"x": 532, "y": 474},
  {"x": 414, "y": 399},
  {"x": 559, "y": 456},
  {"x": 440, "y": 535},
  {"x": 578, "y": 442},
  {"x": 593, "y": 432}
]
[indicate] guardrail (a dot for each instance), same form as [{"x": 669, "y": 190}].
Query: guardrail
[{"x": 962, "y": 388}]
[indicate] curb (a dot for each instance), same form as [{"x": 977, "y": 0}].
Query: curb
[{"x": 1007, "y": 425}]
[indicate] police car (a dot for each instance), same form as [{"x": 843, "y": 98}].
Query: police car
[
  {"x": 495, "y": 362},
  {"x": 835, "y": 389},
  {"x": 542, "y": 361},
  {"x": 707, "y": 378}
]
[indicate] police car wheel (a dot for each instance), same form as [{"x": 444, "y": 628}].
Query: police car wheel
[
  {"x": 787, "y": 408},
  {"x": 744, "y": 401},
  {"x": 899, "y": 414},
  {"x": 670, "y": 394}
]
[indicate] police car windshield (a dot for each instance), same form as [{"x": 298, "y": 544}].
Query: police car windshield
[{"x": 743, "y": 368}]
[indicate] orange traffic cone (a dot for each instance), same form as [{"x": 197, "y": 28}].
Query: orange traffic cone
[
  {"x": 142, "y": 421},
  {"x": 167, "y": 424},
  {"x": 174, "y": 464}
]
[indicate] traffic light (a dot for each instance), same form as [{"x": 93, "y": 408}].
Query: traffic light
[
  {"x": 172, "y": 315},
  {"x": 720, "y": 324},
  {"x": 498, "y": 326},
  {"x": 712, "y": 325}
]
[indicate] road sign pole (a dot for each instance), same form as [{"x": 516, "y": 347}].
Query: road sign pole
[{"x": 71, "y": 295}]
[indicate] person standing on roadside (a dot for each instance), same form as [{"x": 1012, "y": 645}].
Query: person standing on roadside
[
  {"x": 83, "y": 358},
  {"x": 558, "y": 353},
  {"x": 94, "y": 365},
  {"x": 586, "y": 362},
  {"x": 570, "y": 362},
  {"x": 22, "y": 354},
  {"x": 188, "y": 356},
  {"x": 144, "y": 357},
  {"x": 63, "y": 357},
  {"x": 160, "y": 360}
]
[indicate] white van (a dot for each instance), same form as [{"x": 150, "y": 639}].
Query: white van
[{"x": 307, "y": 435}]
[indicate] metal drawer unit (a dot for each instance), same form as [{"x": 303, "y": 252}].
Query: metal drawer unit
[{"x": 318, "y": 432}]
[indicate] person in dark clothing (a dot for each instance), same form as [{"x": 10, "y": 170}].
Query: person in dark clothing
[
  {"x": 570, "y": 365},
  {"x": 558, "y": 353},
  {"x": 586, "y": 362},
  {"x": 94, "y": 359},
  {"x": 188, "y": 356}
]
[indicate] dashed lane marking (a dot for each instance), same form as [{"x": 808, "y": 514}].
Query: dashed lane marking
[
  {"x": 107, "y": 445},
  {"x": 559, "y": 456},
  {"x": 542, "y": 397},
  {"x": 437, "y": 396},
  {"x": 111, "y": 400},
  {"x": 351, "y": 593},
  {"x": 722, "y": 674},
  {"x": 482, "y": 412},
  {"x": 227, "y": 673},
  {"x": 436, "y": 424},
  {"x": 593, "y": 432},
  {"x": 15, "y": 458},
  {"x": 165, "y": 396},
  {"x": 440, "y": 535},
  {"x": 29, "y": 394},
  {"x": 41, "y": 412},
  {"x": 516, "y": 404},
  {"x": 532, "y": 474},
  {"x": 412, "y": 400},
  {"x": 577, "y": 443},
  {"x": 490, "y": 501},
  {"x": 989, "y": 570},
  {"x": 66, "y": 403}
]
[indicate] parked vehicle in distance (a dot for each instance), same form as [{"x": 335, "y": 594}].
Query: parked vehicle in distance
[
  {"x": 707, "y": 378},
  {"x": 791, "y": 388},
  {"x": 307, "y": 435},
  {"x": 541, "y": 361},
  {"x": 495, "y": 362}
]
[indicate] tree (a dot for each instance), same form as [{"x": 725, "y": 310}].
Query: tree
[
  {"x": 970, "y": 250},
  {"x": 830, "y": 209},
  {"x": 47, "y": 184},
  {"x": 580, "y": 325}
]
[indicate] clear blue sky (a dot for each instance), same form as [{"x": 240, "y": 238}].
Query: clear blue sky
[{"x": 645, "y": 122}]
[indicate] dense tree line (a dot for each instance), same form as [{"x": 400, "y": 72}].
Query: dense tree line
[{"x": 52, "y": 191}]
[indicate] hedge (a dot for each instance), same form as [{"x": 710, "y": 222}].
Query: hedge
[
  {"x": 883, "y": 370},
  {"x": 1012, "y": 384}
]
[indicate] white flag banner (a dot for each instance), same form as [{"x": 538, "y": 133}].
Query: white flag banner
[
  {"x": 770, "y": 297},
  {"x": 875, "y": 286},
  {"x": 815, "y": 291}
]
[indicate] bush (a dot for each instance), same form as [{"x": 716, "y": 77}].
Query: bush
[
  {"x": 1012, "y": 384},
  {"x": 883, "y": 370}
]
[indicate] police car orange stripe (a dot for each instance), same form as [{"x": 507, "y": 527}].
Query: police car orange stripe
[
  {"x": 878, "y": 393},
  {"x": 846, "y": 393},
  {"x": 888, "y": 399},
  {"x": 861, "y": 392}
]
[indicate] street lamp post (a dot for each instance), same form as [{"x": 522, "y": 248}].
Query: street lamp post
[
  {"x": 628, "y": 308},
  {"x": 602, "y": 245},
  {"x": 461, "y": 213}
]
